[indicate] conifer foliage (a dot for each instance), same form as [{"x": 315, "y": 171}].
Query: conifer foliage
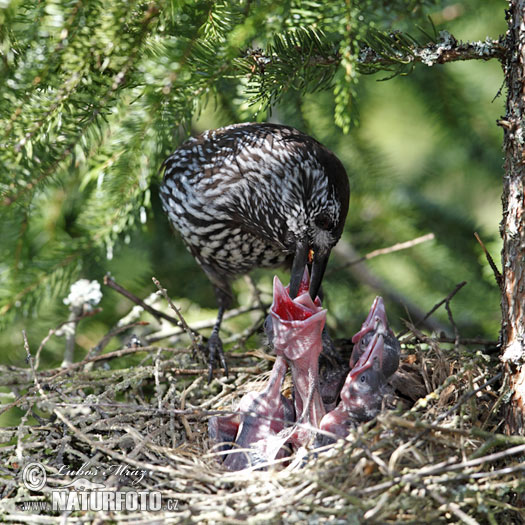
[{"x": 94, "y": 95}]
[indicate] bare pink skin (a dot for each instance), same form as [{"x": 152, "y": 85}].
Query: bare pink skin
[
  {"x": 374, "y": 359},
  {"x": 297, "y": 329},
  {"x": 262, "y": 415},
  {"x": 222, "y": 430},
  {"x": 377, "y": 312},
  {"x": 336, "y": 422},
  {"x": 362, "y": 393},
  {"x": 257, "y": 432},
  {"x": 377, "y": 322},
  {"x": 263, "y": 425}
]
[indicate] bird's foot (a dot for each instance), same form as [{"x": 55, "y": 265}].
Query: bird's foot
[{"x": 215, "y": 351}]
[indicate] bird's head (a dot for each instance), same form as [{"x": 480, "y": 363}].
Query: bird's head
[
  {"x": 324, "y": 212},
  {"x": 377, "y": 323},
  {"x": 294, "y": 325},
  {"x": 362, "y": 392}
]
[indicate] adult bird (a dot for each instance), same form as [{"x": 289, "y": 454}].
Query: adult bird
[{"x": 255, "y": 195}]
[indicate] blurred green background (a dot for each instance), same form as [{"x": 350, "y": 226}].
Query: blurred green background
[{"x": 423, "y": 154}]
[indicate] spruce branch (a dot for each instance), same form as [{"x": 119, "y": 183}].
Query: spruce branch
[{"x": 382, "y": 51}]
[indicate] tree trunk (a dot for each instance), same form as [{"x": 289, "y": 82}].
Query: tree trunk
[{"x": 512, "y": 225}]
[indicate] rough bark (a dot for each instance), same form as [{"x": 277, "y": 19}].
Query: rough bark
[{"x": 512, "y": 225}]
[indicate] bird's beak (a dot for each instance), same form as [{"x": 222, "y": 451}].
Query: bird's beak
[
  {"x": 299, "y": 262},
  {"x": 319, "y": 263},
  {"x": 372, "y": 356},
  {"x": 376, "y": 320},
  {"x": 302, "y": 258}
]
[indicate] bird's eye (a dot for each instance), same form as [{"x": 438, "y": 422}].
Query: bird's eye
[
  {"x": 324, "y": 221},
  {"x": 363, "y": 379}
]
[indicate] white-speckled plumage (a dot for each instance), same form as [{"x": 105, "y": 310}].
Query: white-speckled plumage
[{"x": 242, "y": 196}]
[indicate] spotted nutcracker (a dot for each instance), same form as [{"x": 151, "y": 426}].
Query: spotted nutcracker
[{"x": 255, "y": 195}]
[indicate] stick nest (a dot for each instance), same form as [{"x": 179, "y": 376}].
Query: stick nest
[{"x": 435, "y": 454}]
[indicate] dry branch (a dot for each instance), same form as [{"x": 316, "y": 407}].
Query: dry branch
[
  {"x": 362, "y": 273},
  {"x": 153, "y": 418}
]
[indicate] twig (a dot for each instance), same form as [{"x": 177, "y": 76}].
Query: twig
[
  {"x": 448, "y": 49},
  {"x": 77, "y": 432},
  {"x": 125, "y": 351},
  {"x": 520, "y": 467},
  {"x": 451, "y": 319},
  {"x": 496, "y": 456},
  {"x": 29, "y": 359},
  {"x": 503, "y": 395},
  {"x": 465, "y": 397},
  {"x": 70, "y": 332},
  {"x": 253, "y": 370},
  {"x": 137, "y": 300},
  {"x": 241, "y": 338},
  {"x": 183, "y": 418},
  {"x": 363, "y": 274},
  {"x": 384, "y": 251},
  {"x": 53, "y": 331},
  {"x": 256, "y": 294},
  {"x": 353, "y": 500},
  {"x": 97, "y": 349},
  {"x": 454, "y": 508},
  {"x": 446, "y": 300},
  {"x": 182, "y": 321},
  {"x": 207, "y": 323},
  {"x": 418, "y": 337},
  {"x": 492, "y": 264},
  {"x": 156, "y": 375},
  {"x": 54, "y": 374},
  {"x": 447, "y": 466},
  {"x": 22, "y": 427},
  {"x": 491, "y": 438}
]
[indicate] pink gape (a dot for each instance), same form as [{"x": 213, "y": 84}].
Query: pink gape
[
  {"x": 377, "y": 322},
  {"x": 374, "y": 360},
  {"x": 265, "y": 421},
  {"x": 257, "y": 430},
  {"x": 297, "y": 326}
]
